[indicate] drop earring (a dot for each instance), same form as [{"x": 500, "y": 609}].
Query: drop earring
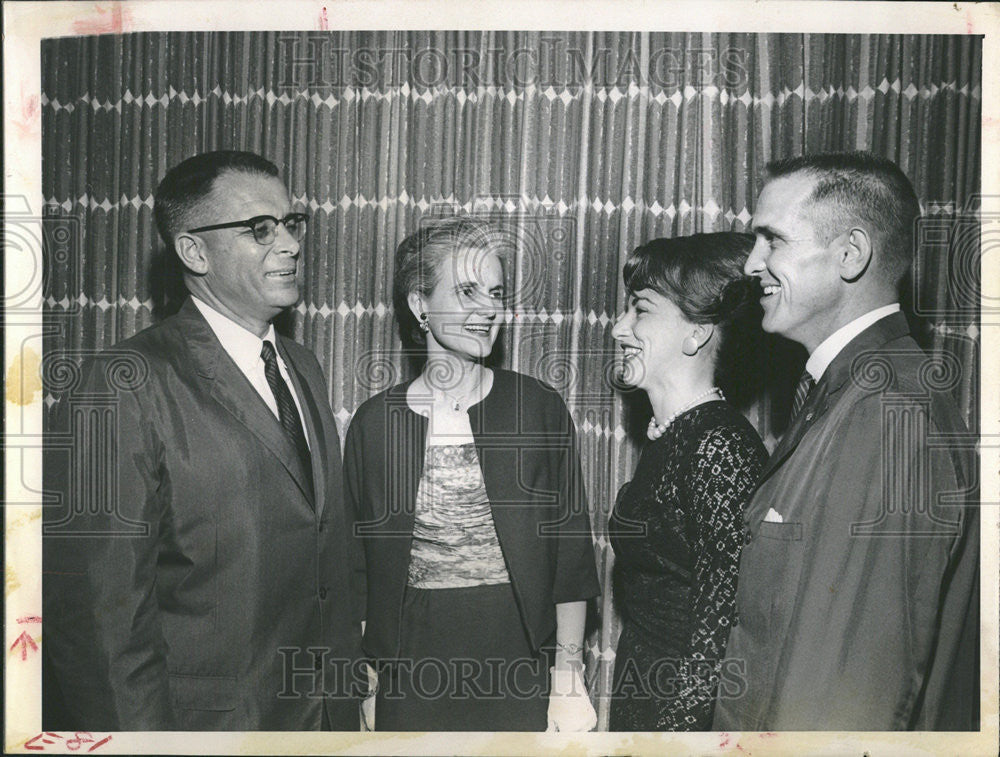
[{"x": 424, "y": 325}]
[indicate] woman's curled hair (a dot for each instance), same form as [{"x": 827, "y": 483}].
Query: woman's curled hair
[
  {"x": 419, "y": 256},
  {"x": 702, "y": 275}
]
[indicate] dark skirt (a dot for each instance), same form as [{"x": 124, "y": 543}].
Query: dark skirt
[
  {"x": 465, "y": 665},
  {"x": 645, "y": 694}
]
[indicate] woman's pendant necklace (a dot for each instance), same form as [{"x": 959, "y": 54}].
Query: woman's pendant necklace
[{"x": 460, "y": 402}]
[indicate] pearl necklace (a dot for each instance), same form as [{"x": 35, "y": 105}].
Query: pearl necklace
[{"x": 656, "y": 430}]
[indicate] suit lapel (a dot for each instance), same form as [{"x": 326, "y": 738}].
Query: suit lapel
[
  {"x": 232, "y": 390},
  {"x": 314, "y": 426},
  {"x": 831, "y": 383},
  {"x": 811, "y": 411}
]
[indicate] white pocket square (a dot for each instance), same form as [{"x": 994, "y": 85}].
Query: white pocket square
[{"x": 773, "y": 516}]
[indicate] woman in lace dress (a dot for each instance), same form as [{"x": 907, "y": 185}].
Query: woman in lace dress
[
  {"x": 467, "y": 489},
  {"x": 676, "y": 528}
]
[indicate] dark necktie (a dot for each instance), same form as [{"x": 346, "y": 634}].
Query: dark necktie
[
  {"x": 802, "y": 390},
  {"x": 287, "y": 413}
]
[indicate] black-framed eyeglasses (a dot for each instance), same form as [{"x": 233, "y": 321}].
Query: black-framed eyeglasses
[{"x": 264, "y": 227}]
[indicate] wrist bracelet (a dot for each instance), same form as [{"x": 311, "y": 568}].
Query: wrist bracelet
[{"x": 570, "y": 648}]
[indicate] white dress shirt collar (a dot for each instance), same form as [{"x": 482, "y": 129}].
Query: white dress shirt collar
[
  {"x": 243, "y": 346},
  {"x": 823, "y": 355}
]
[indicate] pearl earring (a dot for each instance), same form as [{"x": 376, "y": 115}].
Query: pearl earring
[
  {"x": 689, "y": 346},
  {"x": 424, "y": 325}
]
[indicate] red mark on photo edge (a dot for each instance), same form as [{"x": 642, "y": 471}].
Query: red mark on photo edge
[
  {"x": 30, "y": 743},
  {"x": 968, "y": 22},
  {"x": 27, "y": 124},
  {"x": 768, "y": 735},
  {"x": 324, "y": 22},
  {"x": 25, "y": 641},
  {"x": 103, "y": 741},
  {"x": 29, "y": 107},
  {"x": 30, "y": 619},
  {"x": 81, "y": 738},
  {"x": 108, "y": 21},
  {"x": 725, "y": 740}
]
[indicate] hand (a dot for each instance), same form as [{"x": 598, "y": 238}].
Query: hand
[
  {"x": 368, "y": 703},
  {"x": 570, "y": 709}
]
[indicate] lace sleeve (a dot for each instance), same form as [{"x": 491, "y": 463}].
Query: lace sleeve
[{"x": 719, "y": 484}]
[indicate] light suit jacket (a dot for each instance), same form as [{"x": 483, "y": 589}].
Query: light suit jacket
[{"x": 859, "y": 609}]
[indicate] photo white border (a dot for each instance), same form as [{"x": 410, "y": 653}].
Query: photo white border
[{"x": 27, "y": 23}]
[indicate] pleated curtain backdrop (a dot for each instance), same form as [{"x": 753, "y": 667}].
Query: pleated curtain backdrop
[{"x": 584, "y": 145}]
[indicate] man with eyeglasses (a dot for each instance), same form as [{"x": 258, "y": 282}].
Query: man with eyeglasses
[{"x": 219, "y": 587}]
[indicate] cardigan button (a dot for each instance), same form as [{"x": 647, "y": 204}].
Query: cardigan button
[{"x": 322, "y": 592}]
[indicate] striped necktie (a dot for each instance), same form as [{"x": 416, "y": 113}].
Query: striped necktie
[
  {"x": 802, "y": 390},
  {"x": 287, "y": 412}
]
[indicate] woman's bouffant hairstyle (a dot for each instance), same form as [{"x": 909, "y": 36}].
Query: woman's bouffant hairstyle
[
  {"x": 419, "y": 257},
  {"x": 702, "y": 275}
]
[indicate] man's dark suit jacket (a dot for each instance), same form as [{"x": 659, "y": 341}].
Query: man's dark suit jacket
[
  {"x": 195, "y": 594},
  {"x": 859, "y": 610}
]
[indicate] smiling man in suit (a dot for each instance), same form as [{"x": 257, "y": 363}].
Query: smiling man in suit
[
  {"x": 857, "y": 602},
  {"x": 210, "y": 580}
]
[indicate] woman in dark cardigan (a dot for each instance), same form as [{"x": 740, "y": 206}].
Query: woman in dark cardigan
[
  {"x": 677, "y": 526},
  {"x": 469, "y": 501}
]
